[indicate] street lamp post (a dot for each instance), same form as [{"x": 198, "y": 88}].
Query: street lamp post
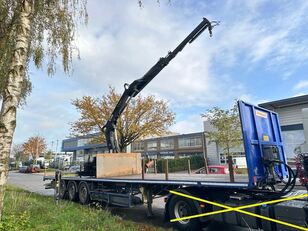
[
  {"x": 36, "y": 151},
  {"x": 204, "y": 153}
]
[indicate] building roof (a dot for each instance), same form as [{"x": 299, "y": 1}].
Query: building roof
[
  {"x": 298, "y": 100},
  {"x": 172, "y": 136},
  {"x": 82, "y": 137}
]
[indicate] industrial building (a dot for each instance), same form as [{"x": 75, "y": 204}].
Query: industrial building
[
  {"x": 160, "y": 147},
  {"x": 216, "y": 154},
  {"x": 174, "y": 146},
  {"x": 293, "y": 115},
  {"x": 82, "y": 145}
]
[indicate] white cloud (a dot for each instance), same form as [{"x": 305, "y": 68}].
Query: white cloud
[
  {"x": 124, "y": 45},
  {"x": 192, "y": 123},
  {"x": 48, "y": 111},
  {"x": 300, "y": 85},
  {"x": 299, "y": 94},
  {"x": 115, "y": 58},
  {"x": 249, "y": 36},
  {"x": 122, "y": 42}
]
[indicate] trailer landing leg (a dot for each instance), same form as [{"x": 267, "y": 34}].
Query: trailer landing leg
[{"x": 149, "y": 202}]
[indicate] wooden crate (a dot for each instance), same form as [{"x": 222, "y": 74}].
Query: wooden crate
[{"x": 118, "y": 164}]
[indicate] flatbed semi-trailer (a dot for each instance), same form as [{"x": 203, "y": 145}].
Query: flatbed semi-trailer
[
  {"x": 85, "y": 189},
  {"x": 128, "y": 193},
  {"x": 190, "y": 180},
  {"x": 264, "y": 155}
]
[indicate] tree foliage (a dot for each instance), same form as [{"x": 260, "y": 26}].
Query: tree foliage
[
  {"x": 34, "y": 146},
  {"x": 17, "y": 152},
  {"x": 49, "y": 154},
  {"x": 53, "y": 27},
  {"x": 227, "y": 127},
  {"x": 142, "y": 117}
]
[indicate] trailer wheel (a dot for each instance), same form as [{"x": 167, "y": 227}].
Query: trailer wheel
[
  {"x": 84, "y": 193},
  {"x": 72, "y": 191},
  {"x": 182, "y": 207},
  {"x": 63, "y": 190}
]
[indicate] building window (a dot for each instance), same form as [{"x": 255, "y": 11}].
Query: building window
[
  {"x": 152, "y": 145},
  {"x": 166, "y": 144},
  {"x": 69, "y": 144},
  {"x": 293, "y": 142},
  {"x": 187, "y": 142},
  {"x": 83, "y": 142},
  {"x": 138, "y": 146},
  {"x": 187, "y": 154}
]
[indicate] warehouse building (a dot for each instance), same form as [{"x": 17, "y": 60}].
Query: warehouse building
[
  {"x": 172, "y": 146},
  {"x": 80, "y": 146},
  {"x": 293, "y": 116},
  {"x": 175, "y": 146}
]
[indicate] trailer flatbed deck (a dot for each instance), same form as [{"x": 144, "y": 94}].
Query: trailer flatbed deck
[
  {"x": 186, "y": 176},
  {"x": 208, "y": 180}
]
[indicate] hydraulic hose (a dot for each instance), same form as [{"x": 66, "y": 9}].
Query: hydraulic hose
[{"x": 289, "y": 184}]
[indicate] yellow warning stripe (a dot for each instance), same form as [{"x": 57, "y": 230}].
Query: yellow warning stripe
[{"x": 238, "y": 209}]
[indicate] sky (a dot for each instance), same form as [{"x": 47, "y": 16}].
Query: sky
[{"x": 258, "y": 53}]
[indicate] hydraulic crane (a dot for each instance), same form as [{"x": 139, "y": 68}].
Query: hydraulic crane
[
  {"x": 133, "y": 89},
  {"x": 269, "y": 176}
]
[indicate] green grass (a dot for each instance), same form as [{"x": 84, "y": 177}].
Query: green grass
[
  {"x": 241, "y": 170},
  {"x": 48, "y": 170},
  {"x": 29, "y": 211}
]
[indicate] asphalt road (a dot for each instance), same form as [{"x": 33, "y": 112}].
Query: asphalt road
[
  {"x": 30, "y": 182},
  {"x": 34, "y": 183}
]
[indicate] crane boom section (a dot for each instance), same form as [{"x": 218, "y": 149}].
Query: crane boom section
[{"x": 133, "y": 89}]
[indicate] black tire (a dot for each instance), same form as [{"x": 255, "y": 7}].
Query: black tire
[
  {"x": 84, "y": 193},
  {"x": 72, "y": 191},
  {"x": 182, "y": 207},
  {"x": 63, "y": 190}
]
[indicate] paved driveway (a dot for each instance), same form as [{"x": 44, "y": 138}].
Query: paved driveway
[{"x": 30, "y": 182}]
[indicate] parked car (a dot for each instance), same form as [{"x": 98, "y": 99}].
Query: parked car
[
  {"x": 66, "y": 167},
  {"x": 218, "y": 169},
  {"x": 214, "y": 169},
  {"x": 32, "y": 168},
  {"x": 74, "y": 169},
  {"x": 44, "y": 165},
  {"x": 23, "y": 169}
]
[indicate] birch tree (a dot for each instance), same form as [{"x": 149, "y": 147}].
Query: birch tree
[{"x": 38, "y": 30}]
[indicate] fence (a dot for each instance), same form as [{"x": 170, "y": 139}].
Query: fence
[{"x": 180, "y": 164}]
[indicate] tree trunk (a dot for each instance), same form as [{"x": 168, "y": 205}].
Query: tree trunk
[
  {"x": 231, "y": 170},
  {"x": 230, "y": 165},
  {"x": 11, "y": 95}
]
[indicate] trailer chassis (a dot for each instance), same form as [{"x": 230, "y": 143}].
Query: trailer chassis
[{"x": 133, "y": 192}]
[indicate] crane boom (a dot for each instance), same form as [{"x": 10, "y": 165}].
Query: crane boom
[{"x": 131, "y": 90}]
